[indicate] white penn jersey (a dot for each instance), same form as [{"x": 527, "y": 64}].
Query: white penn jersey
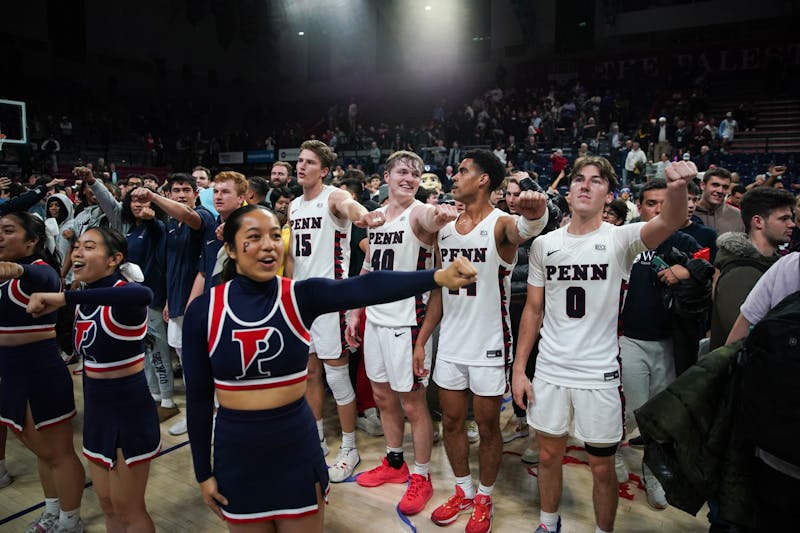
[
  {"x": 476, "y": 326},
  {"x": 394, "y": 246},
  {"x": 582, "y": 279},
  {"x": 320, "y": 242}
]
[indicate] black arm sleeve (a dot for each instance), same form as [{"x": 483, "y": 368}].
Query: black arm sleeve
[
  {"x": 24, "y": 201},
  {"x": 317, "y": 296},
  {"x": 199, "y": 380}
]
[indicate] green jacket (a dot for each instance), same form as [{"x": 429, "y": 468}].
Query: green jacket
[
  {"x": 733, "y": 287},
  {"x": 695, "y": 445}
]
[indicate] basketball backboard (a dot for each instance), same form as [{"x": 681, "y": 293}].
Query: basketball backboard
[{"x": 13, "y": 122}]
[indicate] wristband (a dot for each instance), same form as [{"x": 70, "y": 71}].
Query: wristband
[{"x": 531, "y": 228}]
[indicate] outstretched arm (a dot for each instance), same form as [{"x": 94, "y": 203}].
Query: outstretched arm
[
  {"x": 673, "y": 214},
  {"x": 181, "y": 212},
  {"x": 533, "y": 218},
  {"x": 318, "y": 296}
]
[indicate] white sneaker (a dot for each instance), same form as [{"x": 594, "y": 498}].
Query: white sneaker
[
  {"x": 516, "y": 428},
  {"x": 178, "y": 428},
  {"x": 370, "y": 422},
  {"x": 77, "y": 528},
  {"x": 325, "y": 449},
  {"x": 346, "y": 462},
  {"x": 531, "y": 454},
  {"x": 621, "y": 468},
  {"x": 46, "y": 523},
  {"x": 655, "y": 493},
  {"x": 472, "y": 432},
  {"x": 5, "y": 479}
]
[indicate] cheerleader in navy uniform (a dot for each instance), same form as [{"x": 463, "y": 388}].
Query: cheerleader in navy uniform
[
  {"x": 247, "y": 339},
  {"x": 120, "y": 426},
  {"x": 36, "y": 398}
]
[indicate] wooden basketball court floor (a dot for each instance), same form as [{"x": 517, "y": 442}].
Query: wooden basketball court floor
[{"x": 173, "y": 497}]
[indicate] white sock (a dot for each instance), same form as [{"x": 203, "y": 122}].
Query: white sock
[
  {"x": 550, "y": 520},
  {"x": 486, "y": 491},
  {"x": 466, "y": 485},
  {"x": 167, "y": 403},
  {"x": 349, "y": 440},
  {"x": 422, "y": 470},
  {"x": 52, "y": 506},
  {"x": 156, "y": 397},
  {"x": 393, "y": 450},
  {"x": 69, "y": 519},
  {"x": 598, "y": 530},
  {"x": 319, "y": 430}
]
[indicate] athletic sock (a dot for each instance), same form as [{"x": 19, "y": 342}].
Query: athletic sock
[
  {"x": 598, "y": 530},
  {"x": 394, "y": 456},
  {"x": 319, "y": 430},
  {"x": 167, "y": 403},
  {"x": 156, "y": 397},
  {"x": 486, "y": 491},
  {"x": 422, "y": 470},
  {"x": 349, "y": 440},
  {"x": 69, "y": 519},
  {"x": 550, "y": 520},
  {"x": 52, "y": 506},
  {"x": 466, "y": 485}
]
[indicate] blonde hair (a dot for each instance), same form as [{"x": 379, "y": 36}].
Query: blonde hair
[
  {"x": 410, "y": 158},
  {"x": 238, "y": 179}
]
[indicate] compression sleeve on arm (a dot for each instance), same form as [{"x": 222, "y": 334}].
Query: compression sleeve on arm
[
  {"x": 199, "y": 380},
  {"x": 317, "y": 296}
]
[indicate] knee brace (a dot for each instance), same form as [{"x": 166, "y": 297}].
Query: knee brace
[
  {"x": 601, "y": 450},
  {"x": 338, "y": 378}
]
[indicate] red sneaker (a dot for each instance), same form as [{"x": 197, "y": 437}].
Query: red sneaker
[
  {"x": 383, "y": 473},
  {"x": 419, "y": 491},
  {"x": 481, "y": 519},
  {"x": 448, "y": 512}
]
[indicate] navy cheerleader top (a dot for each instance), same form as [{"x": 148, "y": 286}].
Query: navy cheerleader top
[
  {"x": 110, "y": 323},
  {"x": 246, "y": 335},
  {"x": 37, "y": 276}
]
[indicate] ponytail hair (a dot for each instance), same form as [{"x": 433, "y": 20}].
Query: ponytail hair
[{"x": 35, "y": 231}]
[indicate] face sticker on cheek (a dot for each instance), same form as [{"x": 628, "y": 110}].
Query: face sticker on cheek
[{"x": 245, "y": 246}]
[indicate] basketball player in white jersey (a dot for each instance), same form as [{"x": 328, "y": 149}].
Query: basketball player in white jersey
[
  {"x": 320, "y": 221},
  {"x": 404, "y": 242},
  {"x": 475, "y": 338},
  {"x": 574, "y": 286}
]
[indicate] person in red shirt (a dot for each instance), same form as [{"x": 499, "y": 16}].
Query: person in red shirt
[{"x": 559, "y": 162}]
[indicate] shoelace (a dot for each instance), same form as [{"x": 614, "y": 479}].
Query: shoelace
[
  {"x": 415, "y": 486},
  {"x": 340, "y": 457},
  {"x": 455, "y": 501},
  {"x": 482, "y": 508}
]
